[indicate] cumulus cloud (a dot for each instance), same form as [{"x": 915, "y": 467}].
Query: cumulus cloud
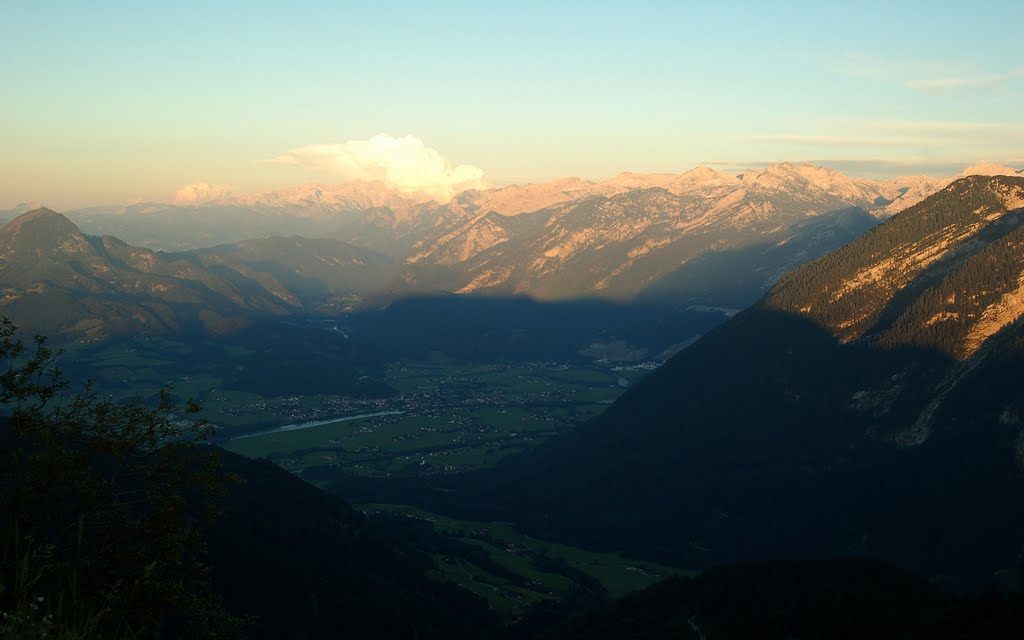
[
  {"x": 404, "y": 164},
  {"x": 199, "y": 192}
]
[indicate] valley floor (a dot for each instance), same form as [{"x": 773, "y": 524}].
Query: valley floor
[{"x": 452, "y": 417}]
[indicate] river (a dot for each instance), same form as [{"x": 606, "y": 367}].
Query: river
[{"x": 313, "y": 423}]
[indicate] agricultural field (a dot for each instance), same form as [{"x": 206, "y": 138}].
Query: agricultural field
[
  {"x": 513, "y": 571},
  {"x": 464, "y": 408},
  {"x": 448, "y": 417}
]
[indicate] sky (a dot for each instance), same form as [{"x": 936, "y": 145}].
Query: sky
[{"x": 110, "y": 102}]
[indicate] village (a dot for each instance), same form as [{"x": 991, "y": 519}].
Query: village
[{"x": 445, "y": 418}]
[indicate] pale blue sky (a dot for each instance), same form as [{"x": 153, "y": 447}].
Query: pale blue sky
[{"x": 104, "y": 102}]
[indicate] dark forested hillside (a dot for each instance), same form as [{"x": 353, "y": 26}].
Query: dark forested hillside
[
  {"x": 302, "y": 564},
  {"x": 850, "y": 598},
  {"x": 794, "y": 430}
]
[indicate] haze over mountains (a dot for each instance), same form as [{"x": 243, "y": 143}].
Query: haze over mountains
[
  {"x": 700, "y": 238},
  {"x": 331, "y": 208},
  {"x": 568, "y": 238}
]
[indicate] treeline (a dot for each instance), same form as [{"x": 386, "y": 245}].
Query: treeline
[
  {"x": 815, "y": 285},
  {"x": 102, "y": 507},
  {"x": 942, "y": 316}
]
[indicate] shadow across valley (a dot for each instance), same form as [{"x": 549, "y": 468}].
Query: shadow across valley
[
  {"x": 493, "y": 329},
  {"x": 769, "y": 439}
]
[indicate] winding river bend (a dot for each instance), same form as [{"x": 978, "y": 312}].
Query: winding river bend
[{"x": 312, "y": 423}]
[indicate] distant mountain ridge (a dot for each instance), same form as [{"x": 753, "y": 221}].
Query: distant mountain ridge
[
  {"x": 621, "y": 243},
  {"x": 561, "y": 239},
  {"x": 701, "y": 238},
  {"x": 312, "y": 199}
]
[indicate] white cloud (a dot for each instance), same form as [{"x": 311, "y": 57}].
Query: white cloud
[
  {"x": 404, "y": 164},
  {"x": 954, "y": 83},
  {"x": 928, "y": 137},
  {"x": 872, "y": 168},
  {"x": 931, "y": 77},
  {"x": 839, "y": 140},
  {"x": 862, "y": 65},
  {"x": 199, "y": 192},
  {"x": 946, "y": 127}
]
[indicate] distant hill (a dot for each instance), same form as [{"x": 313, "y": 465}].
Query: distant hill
[
  {"x": 56, "y": 280},
  {"x": 870, "y": 403}
]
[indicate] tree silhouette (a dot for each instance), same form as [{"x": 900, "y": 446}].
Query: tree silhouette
[{"x": 102, "y": 505}]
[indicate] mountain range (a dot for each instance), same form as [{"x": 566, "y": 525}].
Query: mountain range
[
  {"x": 337, "y": 207},
  {"x": 652, "y": 236}
]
